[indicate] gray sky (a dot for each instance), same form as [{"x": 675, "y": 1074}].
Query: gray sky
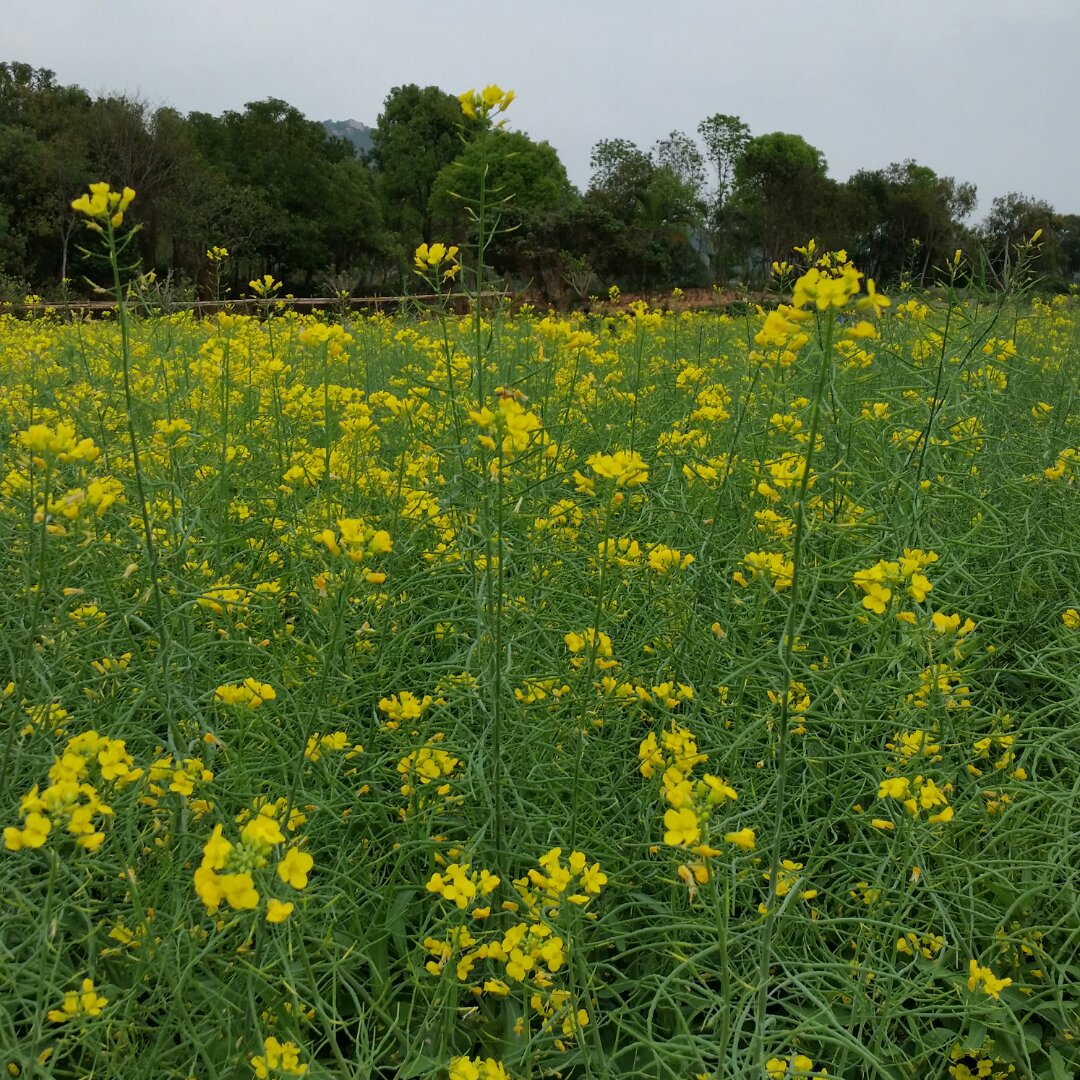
[{"x": 983, "y": 90}]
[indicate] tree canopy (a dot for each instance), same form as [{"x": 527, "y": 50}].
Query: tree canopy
[{"x": 288, "y": 196}]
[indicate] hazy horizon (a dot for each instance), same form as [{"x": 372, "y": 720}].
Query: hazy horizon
[{"x": 967, "y": 89}]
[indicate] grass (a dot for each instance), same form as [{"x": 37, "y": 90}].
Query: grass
[{"x": 257, "y": 437}]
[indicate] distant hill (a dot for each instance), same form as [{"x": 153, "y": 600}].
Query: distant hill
[{"x": 352, "y": 130}]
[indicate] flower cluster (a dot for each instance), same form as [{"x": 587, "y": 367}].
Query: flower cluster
[
  {"x": 907, "y": 781},
  {"x": 464, "y": 1068},
  {"x": 772, "y": 568},
  {"x": 490, "y": 101},
  {"x": 691, "y": 800},
  {"x": 227, "y": 872},
  {"x": 427, "y": 769},
  {"x": 982, "y": 978},
  {"x": 879, "y": 581},
  {"x": 356, "y": 539},
  {"x": 249, "y": 694},
  {"x": 278, "y": 1057},
  {"x": 104, "y": 204},
  {"x": 528, "y": 952},
  {"x": 438, "y": 259},
  {"x": 591, "y": 643},
  {"x": 85, "y": 1001},
  {"x": 70, "y": 798},
  {"x": 625, "y": 468},
  {"x": 794, "y": 1067},
  {"x": 57, "y": 444},
  {"x": 403, "y": 708}
]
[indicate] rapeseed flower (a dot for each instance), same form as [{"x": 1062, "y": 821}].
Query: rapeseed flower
[
  {"x": 795, "y": 1066},
  {"x": 463, "y": 1068},
  {"x": 626, "y": 467},
  {"x": 294, "y": 868},
  {"x": 437, "y": 258},
  {"x": 250, "y": 694},
  {"x": 103, "y": 203},
  {"x": 982, "y": 978},
  {"x": 278, "y": 1057},
  {"x": 83, "y": 1002},
  {"x": 490, "y": 101}
]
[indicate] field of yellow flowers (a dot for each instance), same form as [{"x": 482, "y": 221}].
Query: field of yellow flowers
[{"x": 510, "y": 695}]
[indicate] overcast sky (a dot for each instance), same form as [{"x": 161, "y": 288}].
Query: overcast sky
[{"x": 983, "y": 90}]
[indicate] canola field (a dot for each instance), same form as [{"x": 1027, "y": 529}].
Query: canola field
[{"x": 514, "y": 695}]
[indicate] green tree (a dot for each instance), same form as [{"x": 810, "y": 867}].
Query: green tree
[
  {"x": 725, "y": 138},
  {"x": 296, "y": 171},
  {"x": 1014, "y": 219},
  {"x": 783, "y": 190},
  {"x": 912, "y": 220},
  {"x": 525, "y": 181},
  {"x": 621, "y": 172},
  {"x": 418, "y": 133},
  {"x": 656, "y": 210},
  {"x": 679, "y": 153},
  {"x": 43, "y": 130}
]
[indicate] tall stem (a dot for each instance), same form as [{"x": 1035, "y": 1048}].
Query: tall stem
[
  {"x": 787, "y": 646},
  {"x": 140, "y": 489}
]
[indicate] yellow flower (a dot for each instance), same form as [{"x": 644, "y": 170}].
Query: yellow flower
[
  {"x": 771, "y": 567},
  {"x": 295, "y": 867},
  {"x": 33, "y": 834},
  {"x": 250, "y": 693},
  {"x": 744, "y": 839},
  {"x": 797, "y": 1066},
  {"x": 1071, "y": 618},
  {"x": 278, "y": 1057},
  {"x": 84, "y": 1002},
  {"x": 262, "y": 831},
  {"x": 681, "y": 828},
  {"x": 824, "y": 291},
  {"x": 239, "y": 891},
  {"x": 264, "y": 286},
  {"x": 492, "y": 100},
  {"x": 896, "y": 787},
  {"x": 101, "y": 202},
  {"x": 873, "y": 300},
  {"x": 984, "y": 978},
  {"x": 277, "y": 912},
  {"x": 625, "y": 467},
  {"x": 435, "y": 257},
  {"x": 593, "y": 879}
]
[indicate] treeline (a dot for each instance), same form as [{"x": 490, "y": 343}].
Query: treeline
[{"x": 287, "y": 198}]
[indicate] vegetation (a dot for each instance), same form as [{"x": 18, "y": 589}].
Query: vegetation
[
  {"x": 290, "y": 197},
  {"x": 497, "y": 695}
]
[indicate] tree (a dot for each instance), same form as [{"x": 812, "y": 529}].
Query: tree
[
  {"x": 725, "y": 138},
  {"x": 912, "y": 219},
  {"x": 784, "y": 190},
  {"x": 679, "y": 153},
  {"x": 1069, "y": 232},
  {"x": 418, "y": 133},
  {"x": 43, "y": 128},
  {"x": 655, "y": 210},
  {"x": 621, "y": 173},
  {"x": 295, "y": 170},
  {"x": 128, "y": 143},
  {"x": 525, "y": 180},
  {"x": 1015, "y": 219}
]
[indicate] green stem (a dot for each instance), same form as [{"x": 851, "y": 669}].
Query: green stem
[
  {"x": 786, "y": 651},
  {"x": 586, "y": 676},
  {"x": 140, "y": 488}
]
